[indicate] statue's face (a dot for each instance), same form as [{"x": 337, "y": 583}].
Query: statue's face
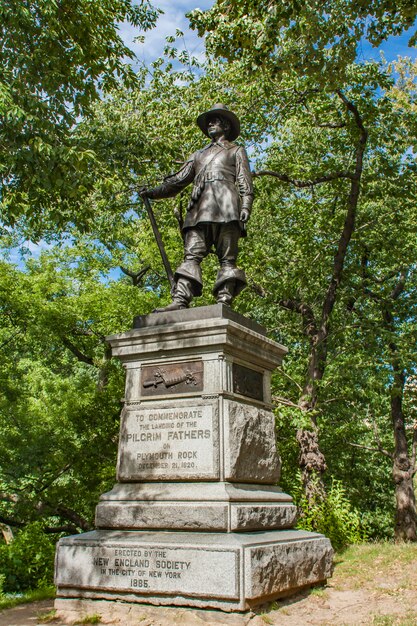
[{"x": 216, "y": 127}]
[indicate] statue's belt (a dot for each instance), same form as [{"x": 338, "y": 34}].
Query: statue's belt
[
  {"x": 208, "y": 177},
  {"x": 213, "y": 175}
]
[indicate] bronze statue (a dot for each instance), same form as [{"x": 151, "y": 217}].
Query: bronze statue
[{"x": 219, "y": 208}]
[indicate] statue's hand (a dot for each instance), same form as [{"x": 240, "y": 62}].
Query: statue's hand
[
  {"x": 143, "y": 192},
  {"x": 244, "y": 215}
]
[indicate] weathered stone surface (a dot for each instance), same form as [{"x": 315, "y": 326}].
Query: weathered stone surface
[
  {"x": 149, "y": 563},
  {"x": 195, "y": 492},
  {"x": 269, "y": 569},
  {"x": 200, "y": 516},
  {"x": 231, "y": 571},
  {"x": 202, "y": 313},
  {"x": 250, "y": 441},
  {"x": 265, "y": 516},
  {"x": 196, "y": 337},
  {"x": 194, "y": 458},
  {"x": 195, "y": 506}
]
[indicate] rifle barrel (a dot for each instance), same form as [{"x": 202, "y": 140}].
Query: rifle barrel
[{"x": 159, "y": 241}]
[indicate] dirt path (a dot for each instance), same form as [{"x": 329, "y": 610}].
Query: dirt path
[
  {"x": 372, "y": 585},
  {"x": 26, "y": 614}
]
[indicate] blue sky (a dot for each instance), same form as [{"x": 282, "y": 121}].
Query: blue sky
[{"x": 174, "y": 18}]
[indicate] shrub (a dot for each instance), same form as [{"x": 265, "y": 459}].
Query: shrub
[
  {"x": 334, "y": 517},
  {"x": 28, "y": 561}
]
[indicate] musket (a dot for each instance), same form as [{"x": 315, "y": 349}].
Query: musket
[
  {"x": 160, "y": 377},
  {"x": 165, "y": 260}
]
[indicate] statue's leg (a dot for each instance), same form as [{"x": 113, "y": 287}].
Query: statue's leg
[
  {"x": 230, "y": 279},
  {"x": 188, "y": 277}
]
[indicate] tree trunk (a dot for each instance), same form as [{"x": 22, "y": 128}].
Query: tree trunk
[
  {"x": 402, "y": 471},
  {"x": 312, "y": 464},
  {"x": 311, "y": 460},
  {"x": 405, "y": 515}
]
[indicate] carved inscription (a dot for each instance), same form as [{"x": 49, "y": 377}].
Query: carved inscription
[
  {"x": 172, "y": 378},
  {"x": 170, "y": 442},
  {"x": 148, "y": 569},
  {"x": 248, "y": 382}
]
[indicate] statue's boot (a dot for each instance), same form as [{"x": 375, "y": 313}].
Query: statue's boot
[
  {"x": 182, "y": 295},
  {"x": 229, "y": 283},
  {"x": 226, "y": 293},
  {"x": 174, "y": 306}
]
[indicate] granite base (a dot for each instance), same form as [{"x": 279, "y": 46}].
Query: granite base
[{"x": 228, "y": 571}]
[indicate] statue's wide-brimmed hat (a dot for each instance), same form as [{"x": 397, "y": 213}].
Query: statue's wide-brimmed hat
[{"x": 222, "y": 111}]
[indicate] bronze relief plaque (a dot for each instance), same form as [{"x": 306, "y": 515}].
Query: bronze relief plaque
[
  {"x": 248, "y": 382},
  {"x": 172, "y": 378}
]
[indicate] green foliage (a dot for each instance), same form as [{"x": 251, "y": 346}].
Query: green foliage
[
  {"x": 334, "y": 517},
  {"x": 90, "y": 619},
  {"x": 313, "y": 38},
  {"x": 61, "y": 391},
  {"x": 55, "y": 60},
  {"x": 28, "y": 561},
  {"x": 60, "y": 404}
]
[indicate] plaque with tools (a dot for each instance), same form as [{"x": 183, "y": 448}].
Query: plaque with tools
[{"x": 172, "y": 378}]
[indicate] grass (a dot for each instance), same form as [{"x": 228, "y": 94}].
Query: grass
[
  {"x": 409, "y": 619},
  {"x": 384, "y": 571},
  {"x": 359, "y": 564},
  {"x": 9, "y": 601},
  {"x": 320, "y": 592},
  {"x": 90, "y": 619},
  {"x": 45, "y": 618}
]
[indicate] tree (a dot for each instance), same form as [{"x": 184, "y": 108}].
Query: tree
[
  {"x": 384, "y": 295},
  {"x": 313, "y": 37},
  {"x": 315, "y": 253},
  {"x": 61, "y": 392},
  {"x": 313, "y": 185},
  {"x": 56, "y": 58},
  {"x": 308, "y": 50}
]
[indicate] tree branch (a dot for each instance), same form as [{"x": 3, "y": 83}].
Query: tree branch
[
  {"x": 285, "y": 402},
  {"x": 54, "y": 478},
  {"x": 256, "y": 288},
  {"x": 354, "y": 110},
  {"x": 72, "y": 516},
  {"x": 136, "y": 276},
  {"x": 331, "y": 125},
  {"x": 7, "y": 341},
  {"x": 281, "y": 371},
  {"x": 414, "y": 450},
  {"x": 349, "y": 224},
  {"x": 381, "y": 450},
  {"x": 73, "y": 348},
  {"x": 304, "y": 183},
  {"x": 399, "y": 287},
  {"x": 11, "y": 522},
  {"x": 66, "y": 528},
  {"x": 303, "y": 309},
  {"x": 9, "y": 497}
]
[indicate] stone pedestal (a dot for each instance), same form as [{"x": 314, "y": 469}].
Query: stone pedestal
[{"x": 195, "y": 518}]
